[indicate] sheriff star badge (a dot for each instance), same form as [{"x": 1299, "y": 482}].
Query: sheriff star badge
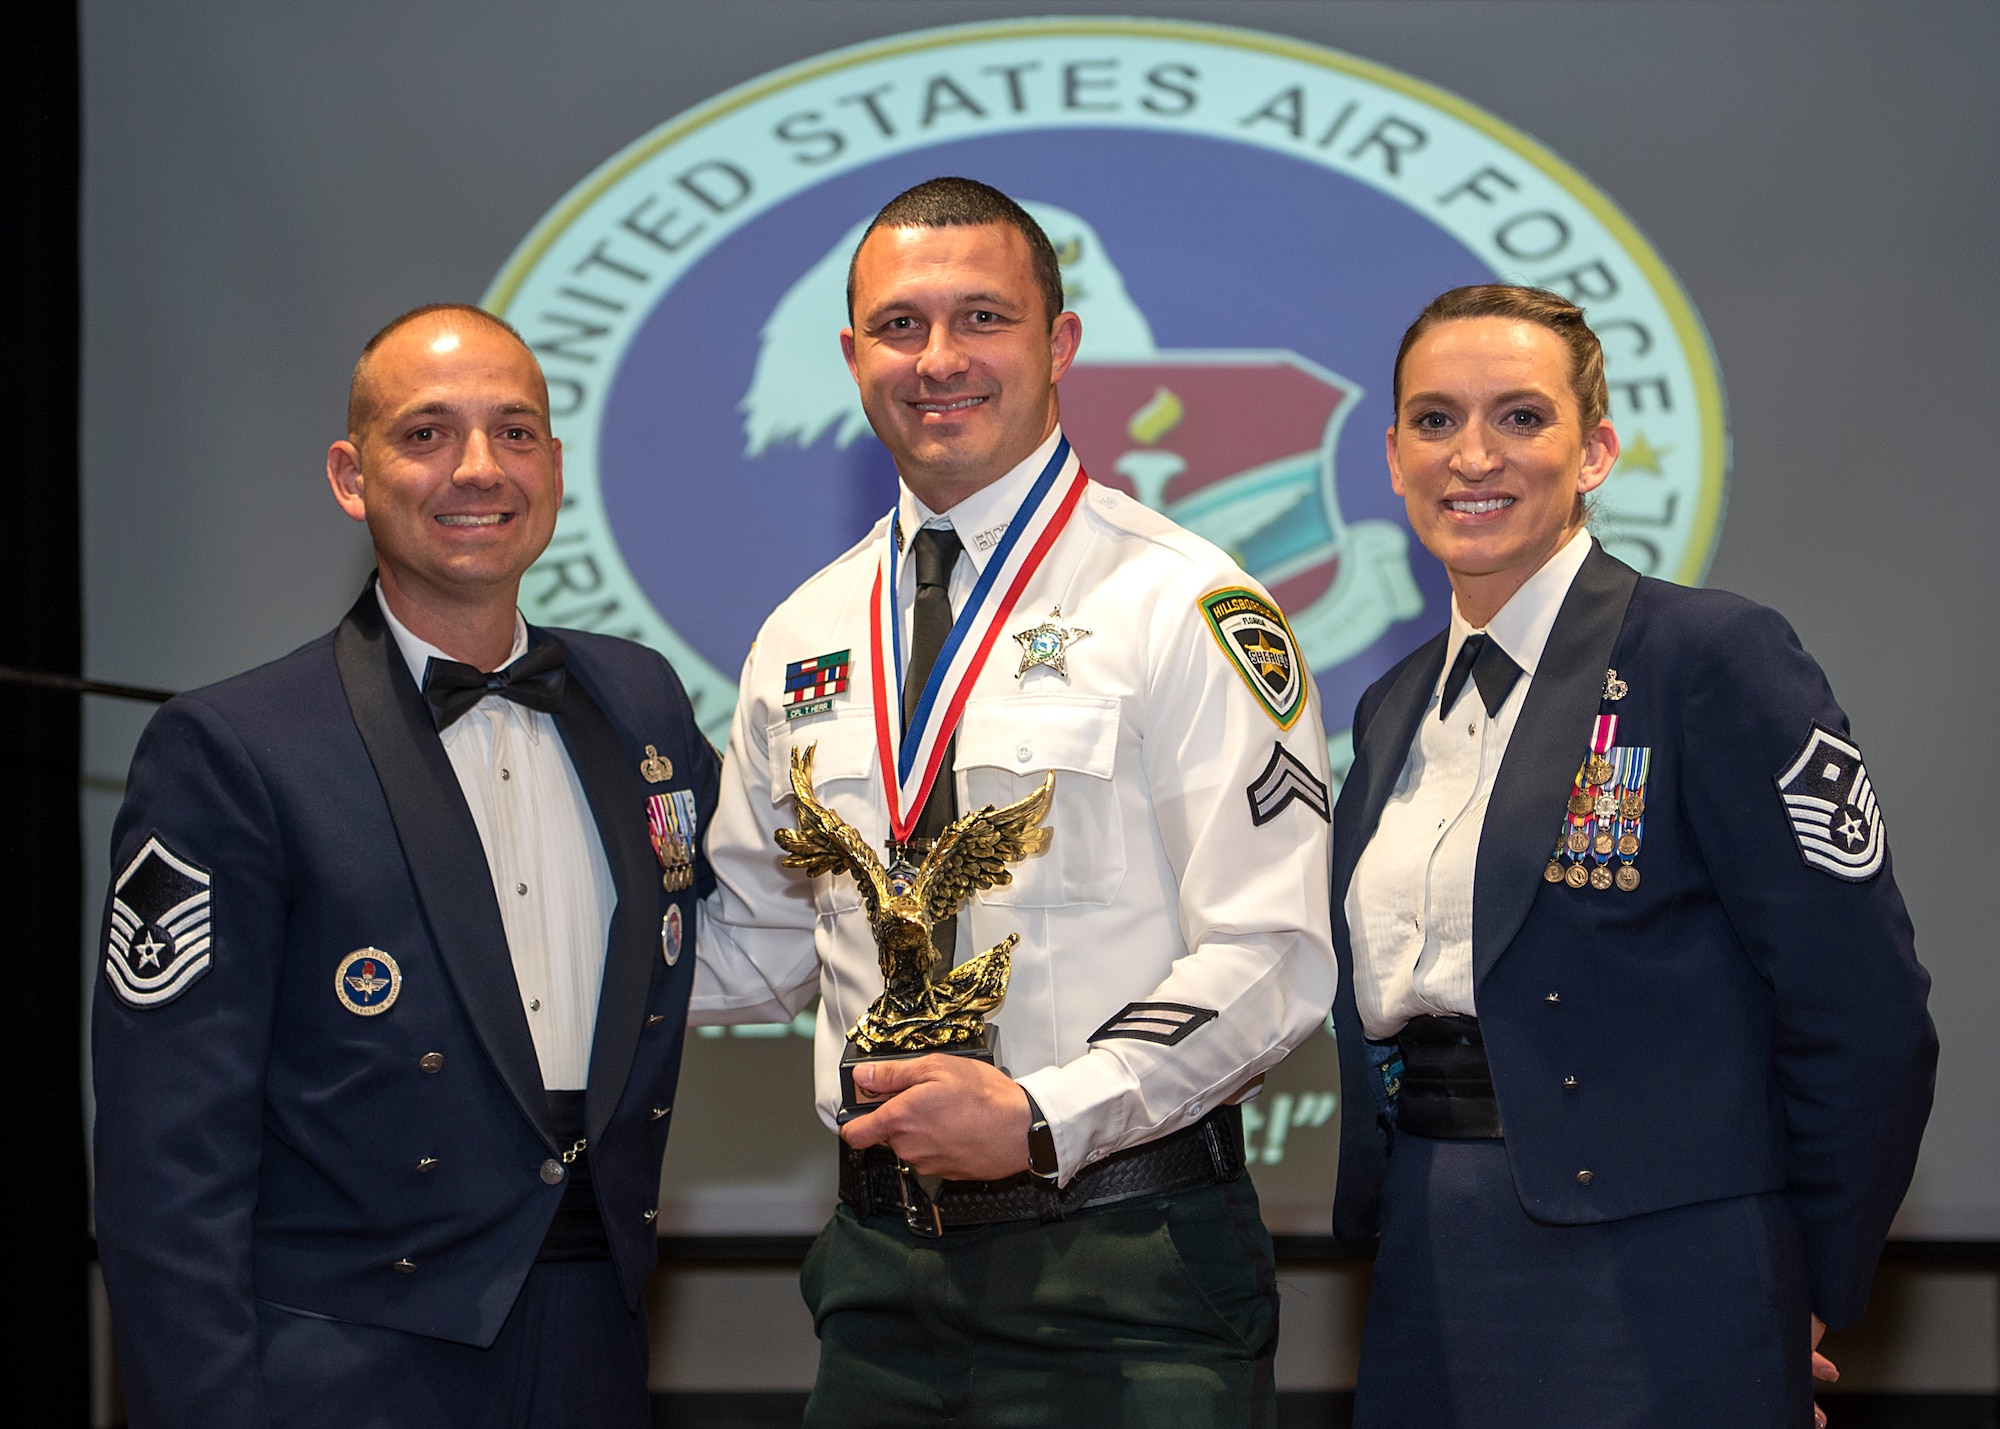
[{"x": 1048, "y": 644}]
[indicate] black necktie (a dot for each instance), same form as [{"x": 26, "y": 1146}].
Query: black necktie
[
  {"x": 536, "y": 680},
  {"x": 1490, "y": 668},
  {"x": 937, "y": 549}
]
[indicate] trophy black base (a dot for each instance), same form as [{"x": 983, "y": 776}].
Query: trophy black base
[{"x": 986, "y": 1049}]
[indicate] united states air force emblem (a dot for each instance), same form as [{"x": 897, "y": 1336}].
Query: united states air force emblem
[{"x": 1245, "y": 224}]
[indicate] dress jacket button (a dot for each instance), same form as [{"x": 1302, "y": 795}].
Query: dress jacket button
[
  {"x": 552, "y": 1171},
  {"x": 1555, "y": 997},
  {"x": 406, "y": 1265},
  {"x": 1583, "y": 1178},
  {"x": 1569, "y": 1084},
  {"x": 431, "y": 1061}
]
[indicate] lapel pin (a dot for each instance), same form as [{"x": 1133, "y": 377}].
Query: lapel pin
[
  {"x": 1615, "y": 688},
  {"x": 656, "y": 768}
]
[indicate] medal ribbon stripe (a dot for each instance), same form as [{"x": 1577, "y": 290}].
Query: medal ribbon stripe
[
  {"x": 910, "y": 765},
  {"x": 819, "y": 676}
]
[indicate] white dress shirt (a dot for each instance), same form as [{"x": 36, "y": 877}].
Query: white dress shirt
[
  {"x": 545, "y": 856},
  {"x": 1157, "y": 886},
  {"x": 1409, "y": 905},
  {"x": 980, "y": 521}
]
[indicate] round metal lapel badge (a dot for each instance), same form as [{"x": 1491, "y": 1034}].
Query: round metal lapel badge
[
  {"x": 1234, "y": 373},
  {"x": 368, "y": 982},
  {"x": 670, "y": 935}
]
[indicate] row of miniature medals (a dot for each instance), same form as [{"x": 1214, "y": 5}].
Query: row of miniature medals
[{"x": 1605, "y": 818}]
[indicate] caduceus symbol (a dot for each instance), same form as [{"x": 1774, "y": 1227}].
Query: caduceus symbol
[{"x": 918, "y": 1011}]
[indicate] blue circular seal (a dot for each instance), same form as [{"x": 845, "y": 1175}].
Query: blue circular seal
[
  {"x": 670, "y": 934},
  {"x": 368, "y": 982},
  {"x": 1246, "y": 224}
]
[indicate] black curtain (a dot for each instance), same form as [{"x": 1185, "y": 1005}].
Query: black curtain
[{"x": 41, "y": 628}]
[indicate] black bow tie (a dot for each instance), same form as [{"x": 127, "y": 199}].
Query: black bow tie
[
  {"x": 536, "y": 680},
  {"x": 1490, "y": 668}
]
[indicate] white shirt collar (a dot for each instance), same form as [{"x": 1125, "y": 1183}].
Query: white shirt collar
[
  {"x": 1521, "y": 627},
  {"x": 981, "y": 518},
  {"x": 417, "y": 651}
]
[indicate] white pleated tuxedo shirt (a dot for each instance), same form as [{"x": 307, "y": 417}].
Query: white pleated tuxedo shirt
[
  {"x": 545, "y": 856},
  {"x": 1409, "y": 904}
]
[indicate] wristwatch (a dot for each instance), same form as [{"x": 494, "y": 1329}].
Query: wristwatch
[{"x": 1041, "y": 1141}]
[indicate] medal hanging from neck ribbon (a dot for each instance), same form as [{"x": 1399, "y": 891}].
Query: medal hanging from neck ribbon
[{"x": 911, "y": 763}]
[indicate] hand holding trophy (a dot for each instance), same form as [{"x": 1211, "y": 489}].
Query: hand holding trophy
[{"x": 920, "y": 1011}]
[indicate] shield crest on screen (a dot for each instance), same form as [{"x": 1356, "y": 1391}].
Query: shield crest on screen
[{"x": 1246, "y": 224}]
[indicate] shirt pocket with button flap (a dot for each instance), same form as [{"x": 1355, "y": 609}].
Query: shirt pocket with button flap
[
  {"x": 1005, "y": 746},
  {"x": 844, "y": 779}
]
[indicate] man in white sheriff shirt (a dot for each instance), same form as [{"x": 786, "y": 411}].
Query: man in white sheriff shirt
[{"x": 1075, "y": 1241}]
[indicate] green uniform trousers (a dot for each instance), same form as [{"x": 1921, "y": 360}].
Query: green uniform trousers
[{"x": 1160, "y": 1311}]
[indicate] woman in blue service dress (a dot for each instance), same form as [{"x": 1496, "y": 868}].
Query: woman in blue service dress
[{"x": 1634, "y": 1049}]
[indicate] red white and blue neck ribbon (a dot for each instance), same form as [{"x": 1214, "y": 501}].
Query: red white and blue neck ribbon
[{"x": 910, "y": 763}]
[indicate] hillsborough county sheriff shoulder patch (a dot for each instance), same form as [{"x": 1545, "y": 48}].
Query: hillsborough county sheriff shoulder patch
[{"x": 1257, "y": 641}]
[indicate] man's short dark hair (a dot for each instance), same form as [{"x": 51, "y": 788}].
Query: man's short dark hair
[
  {"x": 967, "y": 203},
  {"x": 358, "y": 406}
]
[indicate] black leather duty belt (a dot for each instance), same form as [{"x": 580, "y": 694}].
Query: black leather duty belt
[
  {"x": 873, "y": 1182},
  {"x": 1447, "y": 1087}
]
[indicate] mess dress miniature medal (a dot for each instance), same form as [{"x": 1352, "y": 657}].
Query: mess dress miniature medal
[{"x": 1603, "y": 825}]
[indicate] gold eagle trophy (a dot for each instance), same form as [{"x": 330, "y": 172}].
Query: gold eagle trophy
[{"x": 921, "y": 1009}]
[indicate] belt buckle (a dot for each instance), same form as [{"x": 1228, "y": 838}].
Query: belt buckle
[{"x": 920, "y": 1212}]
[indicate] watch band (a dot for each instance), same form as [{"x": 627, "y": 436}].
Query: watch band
[{"x": 1041, "y": 1141}]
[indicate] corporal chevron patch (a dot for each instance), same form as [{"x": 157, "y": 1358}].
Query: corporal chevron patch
[
  {"x": 1831, "y": 806},
  {"x": 1163, "y": 1022},
  {"x": 156, "y": 944},
  {"x": 1285, "y": 780}
]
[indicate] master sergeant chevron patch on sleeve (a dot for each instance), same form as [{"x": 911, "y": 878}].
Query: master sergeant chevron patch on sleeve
[
  {"x": 157, "y": 941},
  {"x": 1284, "y": 780}
]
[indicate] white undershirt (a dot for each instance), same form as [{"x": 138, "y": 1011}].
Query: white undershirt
[
  {"x": 545, "y": 856},
  {"x": 1409, "y": 905}
]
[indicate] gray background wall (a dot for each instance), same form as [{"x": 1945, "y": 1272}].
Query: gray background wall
[{"x": 265, "y": 185}]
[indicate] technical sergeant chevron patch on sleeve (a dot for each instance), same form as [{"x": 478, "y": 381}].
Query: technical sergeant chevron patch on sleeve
[{"x": 1284, "y": 780}]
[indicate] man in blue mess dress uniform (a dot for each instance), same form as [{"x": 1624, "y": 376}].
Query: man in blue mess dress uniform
[
  {"x": 396, "y": 965},
  {"x": 1633, "y": 1037}
]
